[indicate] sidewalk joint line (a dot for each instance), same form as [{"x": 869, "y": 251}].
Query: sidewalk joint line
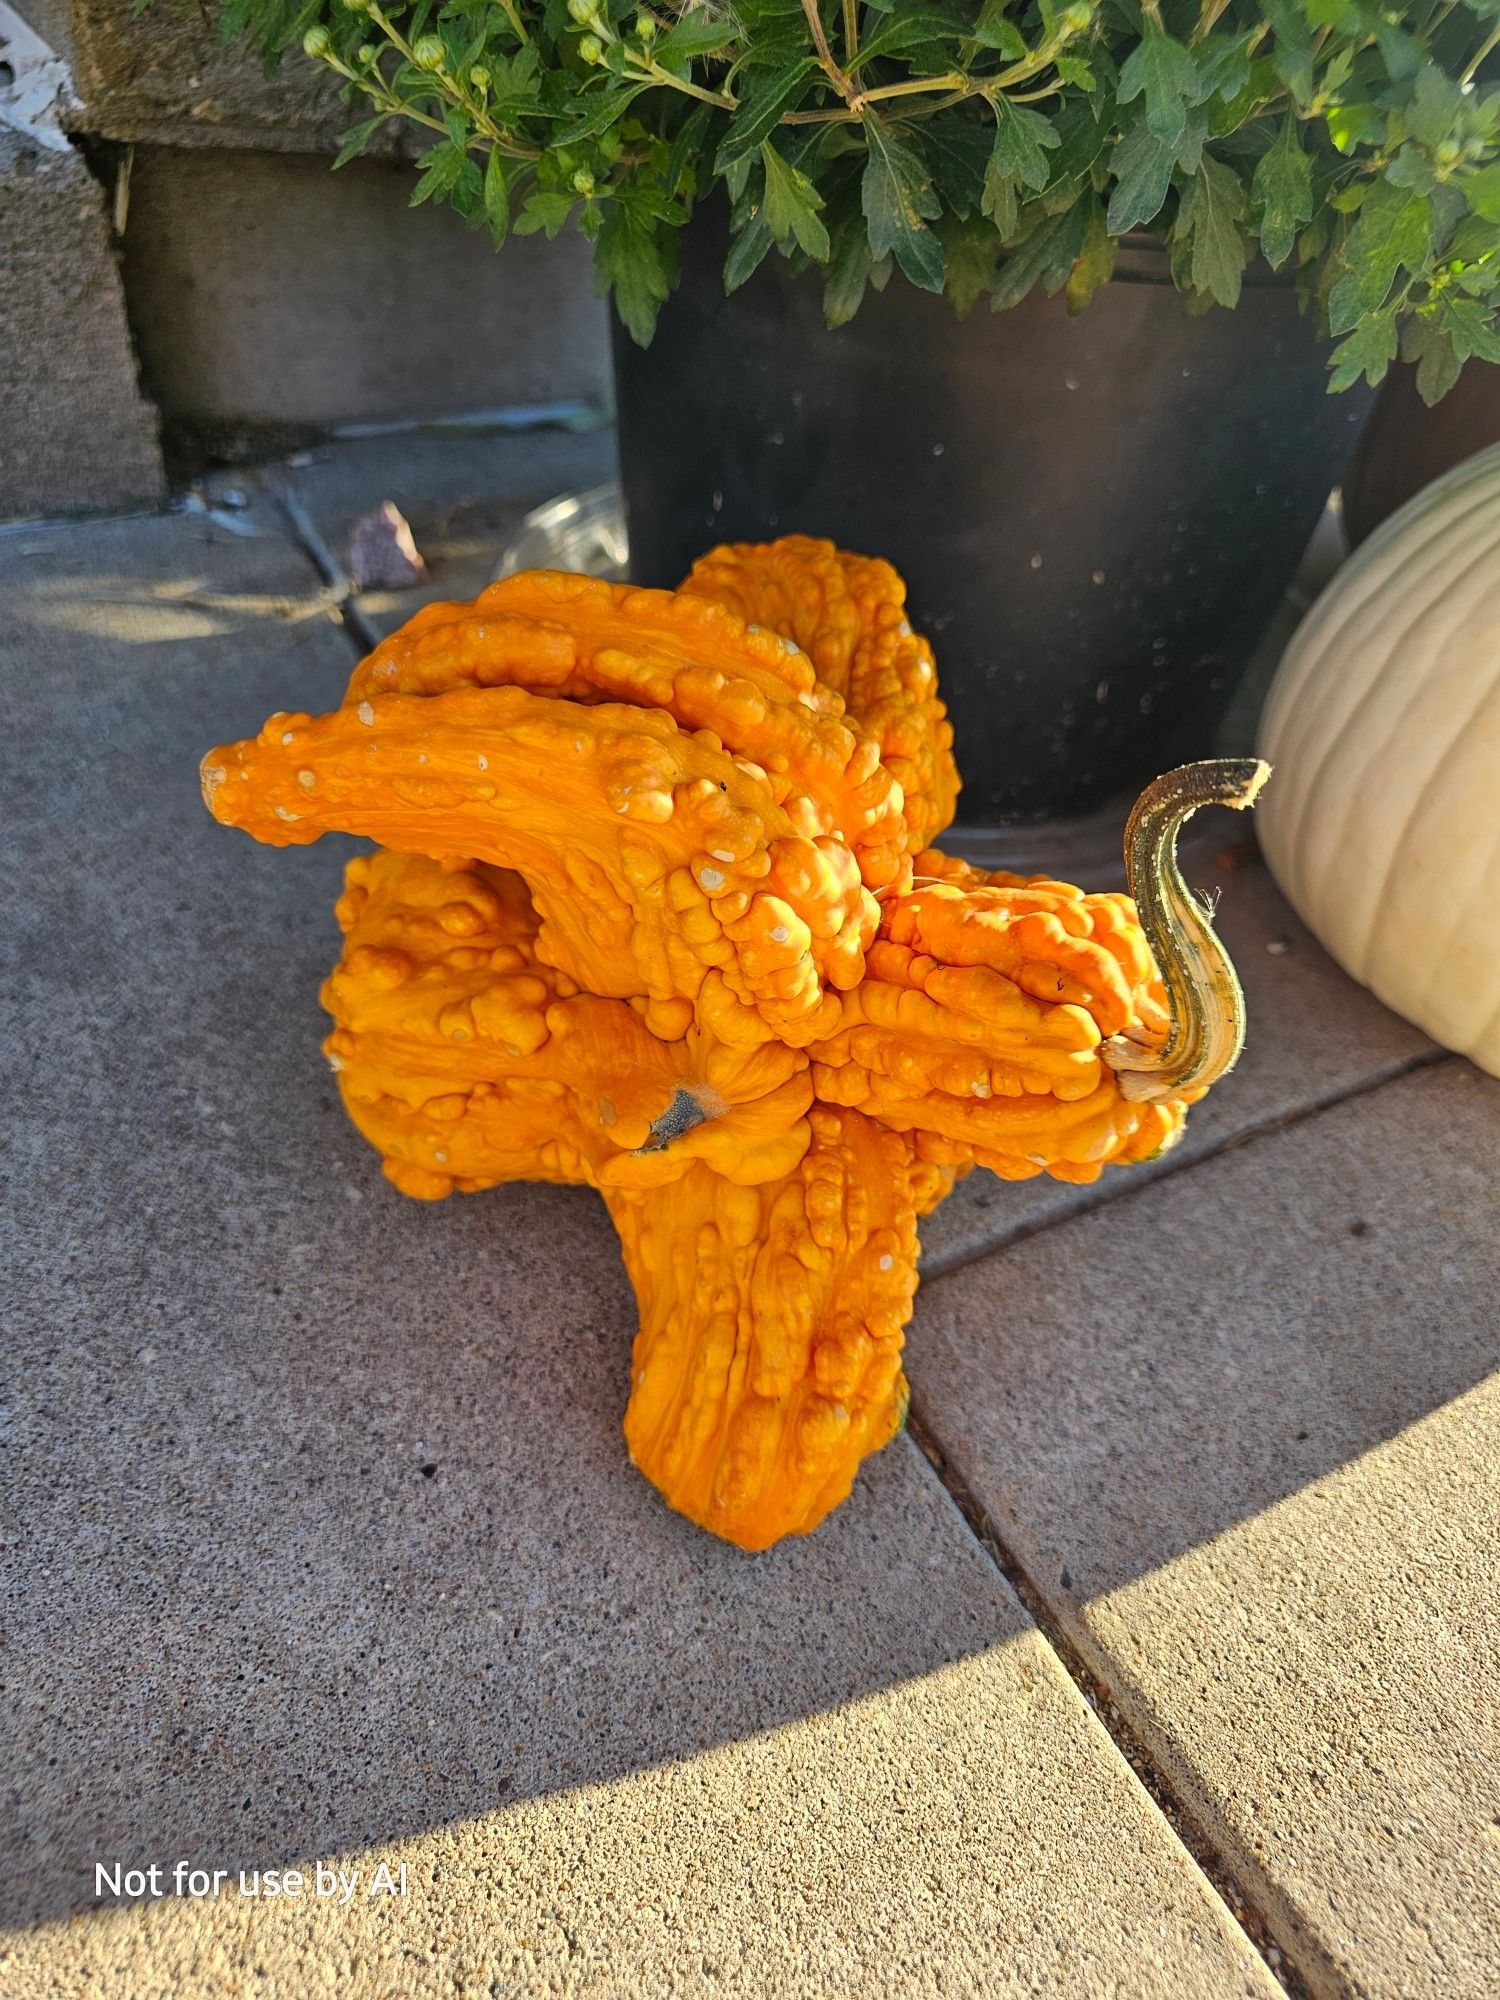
[
  {"x": 1096, "y": 1692},
  {"x": 1111, "y": 1191},
  {"x": 1099, "y": 1696}
]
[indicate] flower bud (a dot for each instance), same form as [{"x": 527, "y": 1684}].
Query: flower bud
[
  {"x": 583, "y": 11},
  {"x": 479, "y": 76},
  {"x": 591, "y": 49},
  {"x": 316, "y": 43},
  {"x": 356, "y": 6},
  {"x": 583, "y": 181},
  {"x": 428, "y": 52}
]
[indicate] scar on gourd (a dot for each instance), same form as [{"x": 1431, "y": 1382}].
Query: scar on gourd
[{"x": 692, "y": 1105}]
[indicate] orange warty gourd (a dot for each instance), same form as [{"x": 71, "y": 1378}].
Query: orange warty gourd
[{"x": 654, "y": 909}]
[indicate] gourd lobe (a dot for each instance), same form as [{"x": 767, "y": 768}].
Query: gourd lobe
[{"x": 654, "y": 908}]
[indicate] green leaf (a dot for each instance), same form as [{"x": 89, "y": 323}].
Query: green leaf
[
  {"x": 356, "y": 140},
  {"x": 848, "y": 274},
  {"x": 1213, "y": 205},
  {"x": 1223, "y": 65},
  {"x": 1438, "y": 361},
  {"x": 686, "y": 147},
  {"x": 1437, "y": 103},
  {"x": 547, "y": 209},
  {"x": 993, "y": 31},
  {"x": 515, "y": 88},
  {"x": 1472, "y": 243},
  {"x": 1412, "y": 169},
  {"x": 1403, "y": 53},
  {"x": 1227, "y": 114},
  {"x": 783, "y": 91},
  {"x": 897, "y": 196},
  {"x": 1393, "y": 233},
  {"x": 1343, "y": 16},
  {"x": 1467, "y": 328},
  {"x": 971, "y": 249},
  {"x": 1048, "y": 253},
  {"x": 1482, "y": 191},
  {"x": 1142, "y": 165},
  {"x": 696, "y": 34},
  {"x": 628, "y": 262},
  {"x": 1074, "y": 70},
  {"x": 748, "y": 251},
  {"x": 1368, "y": 351},
  {"x": 737, "y": 177},
  {"x": 1282, "y": 194},
  {"x": 912, "y": 28},
  {"x": 790, "y": 205},
  {"x": 1166, "y": 75},
  {"x": 959, "y": 149},
  {"x": 597, "y": 114},
  {"x": 1020, "y": 138},
  {"x": 1084, "y": 129},
  {"x": 442, "y": 169},
  {"x": 1095, "y": 263},
  {"x": 496, "y": 196},
  {"x": 1471, "y": 325},
  {"x": 1294, "y": 46},
  {"x": 1351, "y": 125},
  {"x": 1001, "y": 203}
]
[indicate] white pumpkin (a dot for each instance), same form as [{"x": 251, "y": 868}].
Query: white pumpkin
[{"x": 1381, "y": 822}]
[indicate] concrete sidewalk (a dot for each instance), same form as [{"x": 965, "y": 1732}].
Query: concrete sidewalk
[{"x": 1157, "y": 1659}]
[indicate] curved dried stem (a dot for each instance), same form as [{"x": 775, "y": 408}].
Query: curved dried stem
[{"x": 1208, "y": 1008}]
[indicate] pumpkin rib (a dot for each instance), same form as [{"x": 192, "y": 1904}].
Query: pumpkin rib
[
  {"x": 1382, "y": 827},
  {"x": 1364, "y": 564},
  {"x": 1443, "y": 981},
  {"x": 1393, "y": 667},
  {"x": 1430, "y": 784},
  {"x": 1345, "y": 699}
]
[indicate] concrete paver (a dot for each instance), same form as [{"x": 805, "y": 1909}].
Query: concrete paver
[
  {"x": 1242, "y": 1431},
  {"x": 323, "y": 1538}
]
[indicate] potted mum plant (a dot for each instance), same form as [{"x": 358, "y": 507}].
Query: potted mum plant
[{"x": 1192, "y": 218}]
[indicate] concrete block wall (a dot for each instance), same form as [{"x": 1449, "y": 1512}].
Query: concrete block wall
[
  {"x": 264, "y": 288},
  {"x": 251, "y": 289},
  {"x": 77, "y": 433},
  {"x": 165, "y": 74}
]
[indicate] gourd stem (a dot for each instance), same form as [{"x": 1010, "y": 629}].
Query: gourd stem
[{"x": 1208, "y": 1008}]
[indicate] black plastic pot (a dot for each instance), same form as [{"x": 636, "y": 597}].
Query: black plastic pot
[{"x": 1096, "y": 516}]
